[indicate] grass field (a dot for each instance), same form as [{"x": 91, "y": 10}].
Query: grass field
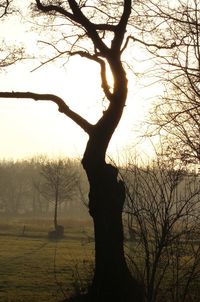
[
  {"x": 36, "y": 269},
  {"x": 33, "y": 268}
]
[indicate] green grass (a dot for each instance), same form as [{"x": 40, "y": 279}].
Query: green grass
[{"x": 36, "y": 269}]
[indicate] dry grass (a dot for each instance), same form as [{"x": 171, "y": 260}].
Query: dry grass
[{"x": 35, "y": 269}]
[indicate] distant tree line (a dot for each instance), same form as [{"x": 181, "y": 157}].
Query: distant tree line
[{"x": 39, "y": 185}]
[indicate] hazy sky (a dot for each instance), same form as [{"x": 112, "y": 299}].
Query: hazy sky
[{"x": 28, "y": 128}]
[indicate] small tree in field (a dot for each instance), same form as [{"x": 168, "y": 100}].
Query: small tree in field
[{"x": 58, "y": 186}]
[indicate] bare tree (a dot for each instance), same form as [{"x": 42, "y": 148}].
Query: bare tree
[
  {"x": 172, "y": 38},
  {"x": 163, "y": 212},
  {"x": 58, "y": 185},
  {"x": 9, "y": 54},
  {"x": 102, "y": 25}
]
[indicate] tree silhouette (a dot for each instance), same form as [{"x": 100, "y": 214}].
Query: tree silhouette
[
  {"x": 9, "y": 55},
  {"x": 175, "y": 26},
  {"x": 104, "y": 27},
  {"x": 59, "y": 184},
  {"x": 5, "y": 7},
  {"x": 162, "y": 211}
]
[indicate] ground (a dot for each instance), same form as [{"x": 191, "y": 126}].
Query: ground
[{"x": 34, "y": 268}]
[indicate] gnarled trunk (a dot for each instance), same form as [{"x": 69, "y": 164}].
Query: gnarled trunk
[{"x": 112, "y": 280}]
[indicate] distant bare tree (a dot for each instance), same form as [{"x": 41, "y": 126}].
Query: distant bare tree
[{"x": 59, "y": 183}]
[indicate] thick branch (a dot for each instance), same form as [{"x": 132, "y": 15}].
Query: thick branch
[
  {"x": 104, "y": 82},
  {"x": 121, "y": 27},
  {"x": 89, "y": 26},
  {"x": 4, "y": 7},
  {"x": 75, "y": 17},
  {"x": 78, "y": 17},
  {"x": 55, "y": 8},
  {"x": 85, "y": 125}
]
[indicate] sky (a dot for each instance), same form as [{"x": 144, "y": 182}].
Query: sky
[{"x": 29, "y": 128}]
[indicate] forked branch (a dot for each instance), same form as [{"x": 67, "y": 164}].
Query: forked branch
[
  {"x": 78, "y": 17},
  {"x": 101, "y": 62},
  {"x": 4, "y": 5}
]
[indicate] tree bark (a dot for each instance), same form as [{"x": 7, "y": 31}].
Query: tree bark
[{"x": 112, "y": 280}]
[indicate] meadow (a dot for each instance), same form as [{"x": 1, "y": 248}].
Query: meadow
[{"x": 34, "y": 268}]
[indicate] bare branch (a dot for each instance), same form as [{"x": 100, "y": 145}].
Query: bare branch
[
  {"x": 79, "y": 18},
  {"x": 55, "y": 8},
  {"x": 95, "y": 58},
  {"x": 121, "y": 27},
  {"x": 155, "y": 45},
  {"x": 4, "y": 7},
  {"x": 63, "y": 108}
]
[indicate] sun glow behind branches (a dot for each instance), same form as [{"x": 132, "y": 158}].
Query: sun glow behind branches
[{"x": 28, "y": 128}]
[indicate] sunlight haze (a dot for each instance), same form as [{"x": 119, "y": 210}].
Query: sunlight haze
[{"x": 29, "y": 128}]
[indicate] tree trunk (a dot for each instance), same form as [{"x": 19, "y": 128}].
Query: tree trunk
[
  {"x": 56, "y": 211},
  {"x": 112, "y": 280}
]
